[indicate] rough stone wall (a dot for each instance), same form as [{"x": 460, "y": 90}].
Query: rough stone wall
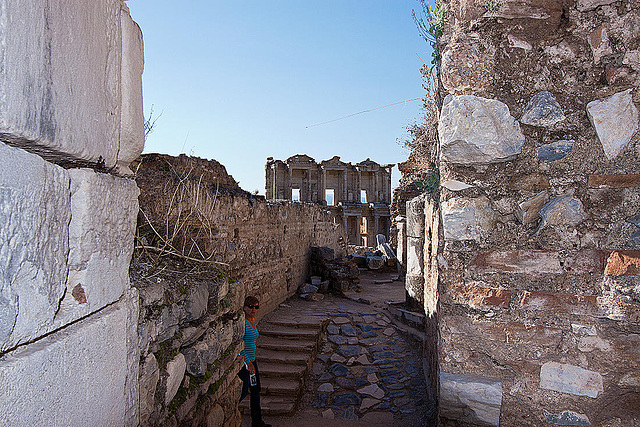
[
  {"x": 191, "y": 322},
  {"x": 68, "y": 316},
  {"x": 539, "y": 284},
  {"x": 266, "y": 244}
]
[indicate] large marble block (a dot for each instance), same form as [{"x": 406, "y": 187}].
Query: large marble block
[
  {"x": 35, "y": 210},
  {"x": 104, "y": 209},
  {"x": 61, "y": 74},
  {"x": 74, "y": 377}
]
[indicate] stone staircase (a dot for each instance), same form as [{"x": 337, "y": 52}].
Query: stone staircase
[{"x": 286, "y": 350}]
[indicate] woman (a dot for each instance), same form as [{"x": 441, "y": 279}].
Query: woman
[{"x": 249, "y": 373}]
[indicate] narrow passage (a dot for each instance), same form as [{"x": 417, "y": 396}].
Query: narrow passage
[{"x": 367, "y": 371}]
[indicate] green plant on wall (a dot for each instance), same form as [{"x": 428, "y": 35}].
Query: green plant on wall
[
  {"x": 432, "y": 181},
  {"x": 433, "y": 27},
  {"x": 492, "y": 5}
]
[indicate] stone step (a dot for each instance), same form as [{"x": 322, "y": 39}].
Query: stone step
[
  {"x": 271, "y": 370},
  {"x": 274, "y": 356},
  {"x": 313, "y": 322},
  {"x": 283, "y": 344},
  {"x": 271, "y": 405},
  {"x": 289, "y": 332},
  {"x": 280, "y": 386}
]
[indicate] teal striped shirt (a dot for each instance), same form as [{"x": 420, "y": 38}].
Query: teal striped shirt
[{"x": 250, "y": 337}]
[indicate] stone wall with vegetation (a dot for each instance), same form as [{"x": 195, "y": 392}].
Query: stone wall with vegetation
[
  {"x": 539, "y": 287},
  {"x": 203, "y": 244}
]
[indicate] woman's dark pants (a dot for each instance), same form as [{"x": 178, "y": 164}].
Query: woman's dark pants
[{"x": 256, "y": 415}]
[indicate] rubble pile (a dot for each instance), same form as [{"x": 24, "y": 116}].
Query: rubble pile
[{"x": 332, "y": 274}]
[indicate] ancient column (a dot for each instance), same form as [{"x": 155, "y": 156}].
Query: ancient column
[{"x": 344, "y": 185}]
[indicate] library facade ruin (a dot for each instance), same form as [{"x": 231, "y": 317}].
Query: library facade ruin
[{"x": 357, "y": 195}]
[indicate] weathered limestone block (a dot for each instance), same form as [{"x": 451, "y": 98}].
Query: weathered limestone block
[
  {"x": 586, "y": 5},
  {"x": 591, "y": 343},
  {"x": 175, "y": 370},
  {"x": 615, "y": 119},
  {"x": 132, "y": 115},
  {"x": 542, "y": 110},
  {"x": 475, "y": 130},
  {"x": 104, "y": 210},
  {"x": 467, "y": 219},
  {"x": 563, "y": 210},
  {"x": 555, "y": 150},
  {"x": 582, "y": 305},
  {"x": 61, "y": 77},
  {"x": 196, "y": 303},
  {"x": 35, "y": 210},
  {"x": 148, "y": 382},
  {"x": 467, "y": 64},
  {"x": 515, "y": 42},
  {"x": 84, "y": 365},
  {"x": 472, "y": 399},
  {"x": 415, "y": 217},
  {"x": 570, "y": 379},
  {"x": 196, "y": 358},
  {"x": 528, "y": 11},
  {"x": 529, "y": 210}
]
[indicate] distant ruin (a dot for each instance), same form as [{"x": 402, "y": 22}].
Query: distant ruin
[{"x": 357, "y": 195}]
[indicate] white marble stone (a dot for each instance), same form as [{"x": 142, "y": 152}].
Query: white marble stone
[
  {"x": 471, "y": 399},
  {"x": 570, "y": 379},
  {"x": 616, "y": 120},
  {"x": 35, "y": 210},
  {"x": 74, "y": 377},
  {"x": 455, "y": 185},
  {"x": 104, "y": 210},
  {"x": 60, "y": 77},
  {"x": 132, "y": 116},
  {"x": 475, "y": 130},
  {"x": 467, "y": 219}
]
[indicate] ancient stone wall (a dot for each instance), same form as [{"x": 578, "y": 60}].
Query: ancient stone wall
[
  {"x": 539, "y": 287},
  {"x": 70, "y": 124},
  {"x": 191, "y": 321}
]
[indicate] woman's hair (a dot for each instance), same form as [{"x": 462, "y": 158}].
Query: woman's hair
[{"x": 250, "y": 300}]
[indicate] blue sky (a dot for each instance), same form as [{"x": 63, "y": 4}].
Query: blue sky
[{"x": 242, "y": 81}]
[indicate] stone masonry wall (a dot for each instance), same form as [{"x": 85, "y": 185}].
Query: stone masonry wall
[
  {"x": 191, "y": 322},
  {"x": 70, "y": 124},
  {"x": 539, "y": 285}
]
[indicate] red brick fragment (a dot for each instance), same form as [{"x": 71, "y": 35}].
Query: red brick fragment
[
  {"x": 623, "y": 263},
  {"x": 476, "y": 296},
  {"x": 615, "y": 181},
  {"x": 526, "y": 261},
  {"x": 586, "y": 261},
  {"x": 582, "y": 305}
]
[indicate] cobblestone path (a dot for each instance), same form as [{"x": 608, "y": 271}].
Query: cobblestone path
[{"x": 366, "y": 372}]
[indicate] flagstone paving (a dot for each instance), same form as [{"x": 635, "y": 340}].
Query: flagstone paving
[{"x": 366, "y": 371}]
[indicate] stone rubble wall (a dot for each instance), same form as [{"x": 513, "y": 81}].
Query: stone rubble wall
[
  {"x": 70, "y": 99},
  {"x": 191, "y": 325},
  {"x": 265, "y": 243},
  {"x": 539, "y": 287}
]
